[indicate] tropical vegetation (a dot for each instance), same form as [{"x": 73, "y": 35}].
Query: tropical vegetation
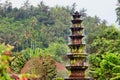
[{"x": 38, "y": 36}]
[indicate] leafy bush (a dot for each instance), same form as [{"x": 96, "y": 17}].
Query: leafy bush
[
  {"x": 21, "y": 58},
  {"x": 107, "y": 68},
  {"x": 115, "y": 78},
  {"x": 4, "y": 64},
  {"x": 44, "y": 67},
  {"x": 58, "y": 79},
  {"x": 18, "y": 63}
]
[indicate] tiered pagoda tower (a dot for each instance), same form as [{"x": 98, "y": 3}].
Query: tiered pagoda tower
[{"x": 77, "y": 57}]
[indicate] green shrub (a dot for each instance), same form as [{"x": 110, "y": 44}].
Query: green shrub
[
  {"x": 18, "y": 63},
  {"x": 58, "y": 79},
  {"x": 115, "y": 78}
]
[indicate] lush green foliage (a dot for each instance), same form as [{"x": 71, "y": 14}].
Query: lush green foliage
[
  {"x": 103, "y": 45},
  {"x": 56, "y": 50},
  {"x": 18, "y": 62},
  {"x": 21, "y": 58},
  {"x": 4, "y": 65},
  {"x": 33, "y": 27},
  {"x": 104, "y": 48},
  {"x": 41, "y": 30},
  {"x": 34, "y": 31},
  {"x": 106, "y": 67},
  {"x": 59, "y": 79},
  {"x": 44, "y": 67}
]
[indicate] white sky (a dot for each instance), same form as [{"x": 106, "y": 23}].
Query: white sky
[{"x": 105, "y": 9}]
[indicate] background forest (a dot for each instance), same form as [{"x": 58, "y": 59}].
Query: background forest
[{"x": 42, "y": 30}]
